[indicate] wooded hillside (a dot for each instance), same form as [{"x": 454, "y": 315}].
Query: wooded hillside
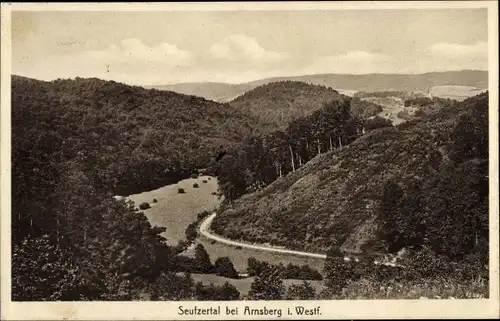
[{"x": 422, "y": 183}]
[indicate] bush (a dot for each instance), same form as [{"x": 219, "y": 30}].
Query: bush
[
  {"x": 377, "y": 122},
  {"x": 191, "y": 233},
  {"x": 238, "y": 247},
  {"x": 214, "y": 193},
  {"x": 181, "y": 191},
  {"x": 144, "y": 206},
  {"x": 212, "y": 292},
  {"x": 303, "y": 291},
  {"x": 224, "y": 267},
  {"x": 195, "y": 185},
  {"x": 209, "y": 178},
  {"x": 303, "y": 272},
  {"x": 194, "y": 175},
  {"x": 204, "y": 181},
  {"x": 155, "y": 200},
  {"x": 202, "y": 260}
]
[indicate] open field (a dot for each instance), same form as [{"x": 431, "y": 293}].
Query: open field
[
  {"x": 175, "y": 211},
  {"x": 456, "y": 92}
]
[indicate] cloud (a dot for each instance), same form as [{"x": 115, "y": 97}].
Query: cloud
[
  {"x": 133, "y": 51},
  {"x": 352, "y": 62},
  {"x": 243, "y": 48},
  {"x": 453, "y": 56},
  {"x": 454, "y": 49}
]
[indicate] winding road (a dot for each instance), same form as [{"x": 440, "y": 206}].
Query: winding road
[
  {"x": 205, "y": 227},
  {"x": 204, "y": 230}
]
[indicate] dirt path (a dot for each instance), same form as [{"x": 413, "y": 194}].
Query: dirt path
[{"x": 204, "y": 230}]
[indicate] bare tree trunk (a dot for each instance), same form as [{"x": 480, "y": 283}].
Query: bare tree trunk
[
  {"x": 340, "y": 143},
  {"x": 293, "y": 161},
  {"x": 331, "y": 145},
  {"x": 300, "y": 159},
  {"x": 57, "y": 230}
]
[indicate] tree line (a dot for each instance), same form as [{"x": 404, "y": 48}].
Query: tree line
[{"x": 262, "y": 159}]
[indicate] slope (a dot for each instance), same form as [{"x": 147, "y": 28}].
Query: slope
[
  {"x": 338, "y": 198},
  {"x": 281, "y": 102},
  {"x": 132, "y": 138}
]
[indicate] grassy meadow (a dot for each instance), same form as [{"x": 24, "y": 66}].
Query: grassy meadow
[{"x": 175, "y": 210}]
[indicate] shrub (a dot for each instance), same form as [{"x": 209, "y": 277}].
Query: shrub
[
  {"x": 302, "y": 291},
  {"x": 377, "y": 122},
  {"x": 144, "y": 206},
  {"x": 195, "y": 185},
  {"x": 209, "y": 178},
  {"x": 181, "y": 191},
  {"x": 303, "y": 272},
  {"x": 155, "y": 200},
  {"x": 213, "y": 292},
  {"x": 191, "y": 233},
  {"x": 194, "y": 175},
  {"x": 238, "y": 247},
  {"x": 213, "y": 193},
  {"x": 202, "y": 259},
  {"x": 338, "y": 273},
  {"x": 202, "y": 215},
  {"x": 268, "y": 285},
  {"x": 224, "y": 267},
  {"x": 205, "y": 181}
]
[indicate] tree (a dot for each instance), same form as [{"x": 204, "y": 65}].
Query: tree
[
  {"x": 212, "y": 292},
  {"x": 303, "y": 291},
  {"x": 224, "y": 267},
  {"x": 389, "y": 216},
  {"x": 337, "y": 272},
  {"x": 268, "y": 285},
  {"x": 202, "y": 259},
  {"x": 377, "y": 122},
  {"x": 41, "y": 272}
]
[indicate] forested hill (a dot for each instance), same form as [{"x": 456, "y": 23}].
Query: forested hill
[
  {"x": 281, "y": 102},
  {"x": 74, "y": 144},
  {"x": 419, "y": 183},
  {"x": 129, "y": 138}
]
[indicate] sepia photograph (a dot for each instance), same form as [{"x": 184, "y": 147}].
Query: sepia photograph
[{"x": 225, "y": 159}]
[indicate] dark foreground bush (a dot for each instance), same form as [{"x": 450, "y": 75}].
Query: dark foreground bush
[
  {"x": 195, "y": 185},
  {"x": 144, "y": 206},
  {"x": 181, "y": 191},
  {"x": 377, "y": 122},
  {"x": 224, "y": 267},
  {"x": 213, "y": 292}
]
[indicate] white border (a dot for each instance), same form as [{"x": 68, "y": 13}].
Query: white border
[{"x": 347, "y": 309}]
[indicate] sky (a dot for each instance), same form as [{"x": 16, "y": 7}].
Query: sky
[{"x": 153, "y": 48}]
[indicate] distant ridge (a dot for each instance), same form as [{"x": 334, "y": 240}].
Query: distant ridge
[{"x": 370, "y": 82}]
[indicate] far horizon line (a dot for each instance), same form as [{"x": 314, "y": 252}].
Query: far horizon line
[
  {"x": 255, "y": 80},
  {"x": 320, "y": 74}
]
